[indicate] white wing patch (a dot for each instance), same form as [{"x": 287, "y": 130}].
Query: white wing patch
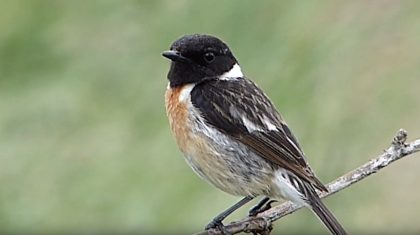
[
  {"x": 233, "y": 73},
  {"x": 269, "y": 124},
  {"x": 250, "y": 126}
]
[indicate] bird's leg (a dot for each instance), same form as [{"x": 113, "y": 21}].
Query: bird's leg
[
  {"x": 217, "y": 221},
  {"x": 262, "y": 206},
  {"x": 254, "y": 210}
]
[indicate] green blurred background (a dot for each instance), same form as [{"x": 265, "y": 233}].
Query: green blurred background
[{"x": 84, "y": 140}]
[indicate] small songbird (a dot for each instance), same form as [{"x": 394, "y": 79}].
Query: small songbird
[{"x": 231, "y": 134}]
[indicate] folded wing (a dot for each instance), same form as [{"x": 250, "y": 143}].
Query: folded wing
[{"x": 240, "y": 109}]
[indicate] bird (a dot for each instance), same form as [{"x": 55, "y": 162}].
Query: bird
[{"x": 232, "y": 135}]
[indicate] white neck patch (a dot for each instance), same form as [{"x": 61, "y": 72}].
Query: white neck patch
[
  {"x": 185, "y": 92},
  {"x": 234, "y": 72}
]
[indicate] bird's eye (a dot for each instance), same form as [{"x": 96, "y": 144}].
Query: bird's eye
[{"x": 209, "y": 57}]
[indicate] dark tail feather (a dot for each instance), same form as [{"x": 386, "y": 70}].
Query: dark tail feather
[{"x": 326, "y": 216}]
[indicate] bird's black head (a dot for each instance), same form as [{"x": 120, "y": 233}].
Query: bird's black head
[{"x": 197, "y": 57}]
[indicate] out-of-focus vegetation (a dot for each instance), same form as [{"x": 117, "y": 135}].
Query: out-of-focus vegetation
[{"x": 84, "y": 140}]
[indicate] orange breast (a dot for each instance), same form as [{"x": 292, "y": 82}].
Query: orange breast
[
  {"x": 211, "y": 160},
  {"x": 197, "y": 149},
  {"x": 178, "y": 116}
]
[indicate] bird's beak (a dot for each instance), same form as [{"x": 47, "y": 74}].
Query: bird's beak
[{"x": 175, "y": 56}]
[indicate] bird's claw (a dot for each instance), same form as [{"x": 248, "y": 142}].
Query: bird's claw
[
  {"x": 216, "y": 224},
  {"x": 256, "y": 210}
]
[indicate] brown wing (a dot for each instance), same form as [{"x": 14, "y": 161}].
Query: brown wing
[{"x": 240, "y": 109}]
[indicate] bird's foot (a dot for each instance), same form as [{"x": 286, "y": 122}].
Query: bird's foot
[
  {"x": 260, "y": 207},
  {"x": 217, "y": 224}
]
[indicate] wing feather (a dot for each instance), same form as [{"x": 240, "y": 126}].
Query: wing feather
[{"x": 240, "y": 109}]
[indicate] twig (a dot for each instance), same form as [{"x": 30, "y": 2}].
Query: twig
[{"x": 262, "y": 224}]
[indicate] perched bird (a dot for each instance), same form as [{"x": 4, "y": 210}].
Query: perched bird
[{"x": 232, "y": 135}]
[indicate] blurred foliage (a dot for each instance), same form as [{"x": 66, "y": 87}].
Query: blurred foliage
[{"x": 85, "y": 144}]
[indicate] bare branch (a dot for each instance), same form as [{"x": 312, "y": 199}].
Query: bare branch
[{"x": 262, "y": 223}]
